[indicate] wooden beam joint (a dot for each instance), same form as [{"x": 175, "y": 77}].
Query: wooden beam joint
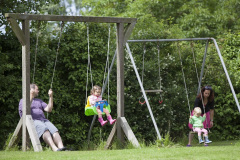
[{"x": 17, "y": 30}]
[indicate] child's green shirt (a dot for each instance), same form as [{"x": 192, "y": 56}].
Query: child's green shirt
[{"x": 197, "y": 122}]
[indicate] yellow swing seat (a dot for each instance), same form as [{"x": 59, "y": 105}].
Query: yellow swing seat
[{"x": 92, "y": 110}]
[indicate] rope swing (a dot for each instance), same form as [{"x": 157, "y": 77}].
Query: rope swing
[
  {"x": 104, "y": 85},
  {"x": 160, "y": 101},
  {"x": 184, "y": 79},
  {"x": 142, "y": 97},
  {"x": 107, "y": 62},
  {"x": 91, "y": 110},
  {"x": 36, "y": 50},
  {"x": 194, "y": 60},
  {"x": 57, "y": 52},
  {"x": 89, "y": 70},
  {"x": 159, "y": 74}
]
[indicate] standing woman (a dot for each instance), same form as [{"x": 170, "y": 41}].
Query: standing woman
[{"x": 204, "y": 100}]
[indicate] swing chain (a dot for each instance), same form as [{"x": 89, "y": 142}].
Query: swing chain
[
  {"x": 57, "y": 52},
  {"x": 194, "y": 60},
  {"x": 184, "y": 79},
  {"x": 195, "y": 64},
  {"x": 159, "y": 73},
  {"x": 144, "y": 52},
  {"x": 107, "y": 62},
  {"x": 89, "y": 64},
  {"x": 36, "y": 49}
]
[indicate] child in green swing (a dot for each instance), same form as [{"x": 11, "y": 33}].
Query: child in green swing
[
  {"x": 95, "y": 97},
  {"x": 197, "y": 121}
]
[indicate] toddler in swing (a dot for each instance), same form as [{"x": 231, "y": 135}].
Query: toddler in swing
[
  {"x": 197, "y": 121},
  {"x": 95, "y": 97}
]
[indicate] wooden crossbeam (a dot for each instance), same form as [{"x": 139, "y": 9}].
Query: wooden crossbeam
[
  {"x": 70, "y": 18},
  {"x": 17, "y": 30},
  {"x": 153, "y": 91}
]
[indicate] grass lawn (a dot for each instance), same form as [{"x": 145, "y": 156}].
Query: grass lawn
[{"x": 217, "y": 150}]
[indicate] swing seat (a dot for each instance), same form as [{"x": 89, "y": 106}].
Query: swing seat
[
  {"x": 153, "y": 91},
  {"x": 92, "y": 110},
  {"x": 192, "y": 132}
]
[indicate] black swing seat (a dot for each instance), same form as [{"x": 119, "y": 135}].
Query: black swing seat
[{"x": 153, "y": 91}]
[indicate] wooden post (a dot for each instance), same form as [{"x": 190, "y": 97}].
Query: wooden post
[
  {"x": 128, "y": 131},
  {"x": 111, "y": 136},
  {"x": 120, "y": 90},
  {"x": 16, "y": 135},
  {"x": 120, "y": 79},
  {"x": 25, "y": 82},
  {"x": 33, "y": 134}
]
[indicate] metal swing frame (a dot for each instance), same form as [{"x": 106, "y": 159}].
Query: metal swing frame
[
  {"x": 204, "y": 59},
  {"x": 201, "y": 74}
]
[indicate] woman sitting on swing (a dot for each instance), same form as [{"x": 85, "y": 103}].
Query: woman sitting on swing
[{"x": 204, "y": 100}]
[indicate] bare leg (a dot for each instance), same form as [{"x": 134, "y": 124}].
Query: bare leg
[
  {"x": 48, "y": 139},
  {"x": 100, "y": 119},
  {"x": 205, "y": 133},
  {"x": 57, "y": 140},
  {"x": 99, "y": 113},
  {"x": 106, "y": 111},
  {"x": 190, "y": 137}
]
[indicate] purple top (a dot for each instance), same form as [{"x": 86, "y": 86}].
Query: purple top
[{"x": 37, "y": 109}]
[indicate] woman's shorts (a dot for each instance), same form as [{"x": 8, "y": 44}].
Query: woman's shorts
[{"x": 44, "y": 125}]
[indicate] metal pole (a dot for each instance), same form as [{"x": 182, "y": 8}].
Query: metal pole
[
  {"x": 226, "y": 72},
  {"x": 169, "y": 40},
  {"x": 143, "y": 91}
]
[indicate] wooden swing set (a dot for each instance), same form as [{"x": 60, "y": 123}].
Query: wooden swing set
[{"x": 25, "y": 125}]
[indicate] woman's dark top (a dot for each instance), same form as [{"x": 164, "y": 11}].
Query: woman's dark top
[{"x": 209, "y": 105}]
